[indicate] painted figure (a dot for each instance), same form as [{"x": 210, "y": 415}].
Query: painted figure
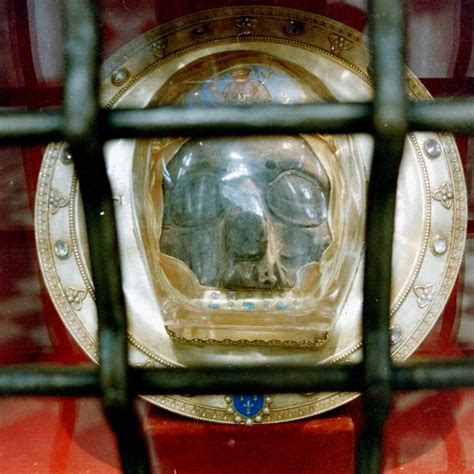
[{"x": 242, "y": 90}]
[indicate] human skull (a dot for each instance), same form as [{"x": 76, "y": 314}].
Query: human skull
[{"x": 245, "y": 213}]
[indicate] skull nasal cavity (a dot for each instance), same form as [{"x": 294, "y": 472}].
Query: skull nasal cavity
[{"x": 245, "y": 236}]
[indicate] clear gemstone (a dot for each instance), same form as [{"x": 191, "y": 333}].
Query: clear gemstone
[
  {"x": 395, "y": 334},
  {"x": 120, "y": 76},
  {"x": 66, "y": 157},
  {"x": 62, "y": 249},
  {"x": 440, "y": 245},
  {"x": 432, "y": 148}
]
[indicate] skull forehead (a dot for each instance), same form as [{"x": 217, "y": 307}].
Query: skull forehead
[{"x": 253, "y": 157}]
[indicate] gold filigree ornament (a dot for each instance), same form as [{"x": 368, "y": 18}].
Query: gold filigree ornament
[{"x": 249, "y": 251}]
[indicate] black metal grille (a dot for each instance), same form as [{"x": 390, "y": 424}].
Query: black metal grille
[{"x": 86, "y": 127}]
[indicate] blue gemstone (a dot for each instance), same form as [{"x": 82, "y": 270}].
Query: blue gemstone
[
  {"x": 248, "y": 305},
  {"x": 281, "y": 305},
  {"x": 248, "y": 405},
  {"x": 213, "y": 306}
]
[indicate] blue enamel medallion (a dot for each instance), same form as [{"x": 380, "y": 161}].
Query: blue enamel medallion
[{"x": 248, "y": 405}]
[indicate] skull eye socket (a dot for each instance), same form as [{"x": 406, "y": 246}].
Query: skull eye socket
[
  {"x": 298, "y": 199},
  {"x": 196, "y": 200}
]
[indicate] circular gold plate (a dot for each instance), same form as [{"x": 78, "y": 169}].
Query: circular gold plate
[{"x": 430, "y": 222}]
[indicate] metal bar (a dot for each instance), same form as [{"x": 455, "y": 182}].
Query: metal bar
[
  {"x": 440, "y": 374},
  {"x": 386, "y": 33},
  {"x": 19, "y": 127},
  {"x": 455, "y": 116},
  {"x": 444, "y": 374},
  {"x": 250, "y": 379},
  {"x": 82, "y": 130},
  {"x": 30, "y": 379},
  {"x": 239, "y": 120},
  {"x": 34, "y": 379}
]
